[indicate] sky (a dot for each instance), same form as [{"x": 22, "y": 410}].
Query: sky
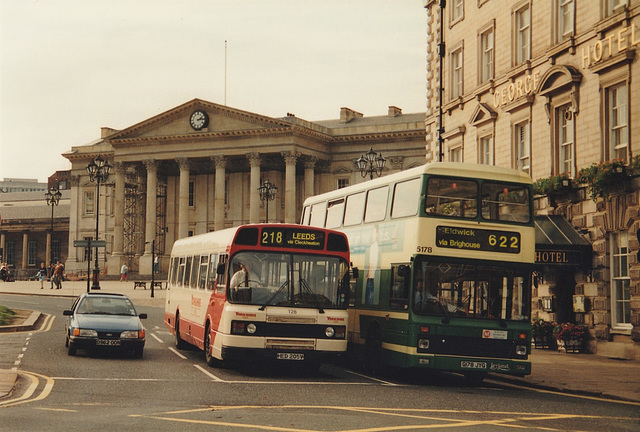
[{"x": 71, "y": 67}]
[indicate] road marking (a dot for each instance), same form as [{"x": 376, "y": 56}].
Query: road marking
[
  {"x": 372, "y": 378},
  {"x": 57, "y": 409},
  {"x": 207, "y": 373},
  {"x": 437, "y": 418},
  {"x": 35, "y": 382},
  {"x": 173, "y": 350},
  {"x": 537, "y": 390},
  {"x": 156, "y": 338}
]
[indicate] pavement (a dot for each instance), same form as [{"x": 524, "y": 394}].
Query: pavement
[{"x": 588, "y": 375}]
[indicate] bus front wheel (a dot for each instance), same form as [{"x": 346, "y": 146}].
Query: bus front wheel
[
  {"x": 180, "y": 344},
  {"x": 211, "y": 361}
]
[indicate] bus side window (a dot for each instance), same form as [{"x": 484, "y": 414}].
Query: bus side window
[
  {"x": 211, "y": 277},
  {"x": 203, "y": 272},
  {"x": 221, "y": 280}
]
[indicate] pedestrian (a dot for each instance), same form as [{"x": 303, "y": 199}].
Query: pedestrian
[
  {"x": 123, "y": 272},
  {"x": 51, "y": 270},
  {"x": 42, "y": 274},
  {"x": 58, "y": 275}
]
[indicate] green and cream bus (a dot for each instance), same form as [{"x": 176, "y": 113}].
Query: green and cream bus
[{"x": 445, "y": 252}]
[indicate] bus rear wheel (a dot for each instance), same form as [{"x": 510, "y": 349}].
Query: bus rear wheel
[{"x": 373, "y": 350}]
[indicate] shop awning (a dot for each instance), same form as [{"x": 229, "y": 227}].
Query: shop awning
[{"x": 558, "y": 243}]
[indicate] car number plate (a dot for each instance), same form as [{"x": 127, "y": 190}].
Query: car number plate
[
  {"x": 290, "y": 356},
  {"x": 108, "y": 342}
]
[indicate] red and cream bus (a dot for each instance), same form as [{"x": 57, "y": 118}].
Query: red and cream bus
[{"x": 276, "y": 291}]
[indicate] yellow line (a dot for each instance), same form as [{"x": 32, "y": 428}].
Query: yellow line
[{"x": 25, "y": 398}]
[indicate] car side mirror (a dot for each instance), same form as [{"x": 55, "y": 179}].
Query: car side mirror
[
  {"x": 142, "y": 316},
  {"x": 67, "y": 312},
  {"x": 355, "y": 272}
]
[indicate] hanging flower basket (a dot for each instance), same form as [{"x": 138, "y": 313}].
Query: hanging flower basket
[{"x": 604, "y": 179}]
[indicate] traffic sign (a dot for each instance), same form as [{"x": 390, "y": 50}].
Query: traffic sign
[{"x": 90, "y": 243}]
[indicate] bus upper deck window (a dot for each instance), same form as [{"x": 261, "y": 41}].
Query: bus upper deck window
[
  {"x": 506, "y": 202},
  {"x": 452, "y": 197}
]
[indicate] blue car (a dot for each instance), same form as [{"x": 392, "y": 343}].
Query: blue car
[{"x": 103, "y": 320}]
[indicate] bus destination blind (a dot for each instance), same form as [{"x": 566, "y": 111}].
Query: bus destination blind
[
  {"x": 477, "y": 239},
  {"x": 292, "y": 238}
]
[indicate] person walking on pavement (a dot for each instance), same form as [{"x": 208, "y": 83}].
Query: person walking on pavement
[
  {"x": 42, "y": 274},
  {"x": 123, "y": 273},
  {"x": 58, "y": 274},
  {"x": 52, "y": 269}
]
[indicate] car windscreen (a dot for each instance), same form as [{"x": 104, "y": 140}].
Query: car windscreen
[{"x": 106, "y": 306}]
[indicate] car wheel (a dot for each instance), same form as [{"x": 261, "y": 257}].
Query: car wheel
[
  {"x": 138, "y": 352},
  {"x": 71, "y": 349},
  {"x": 180, "y": 344},
  {"x": 66, "y": 341}
]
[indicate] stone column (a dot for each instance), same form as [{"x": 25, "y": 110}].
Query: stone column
[
  {"x": 72, "y": 264},
  {"x": 221, "y": 165},
  {"x": 254, "y": 184},
  {"x": 183, "y": 198},
  {"x": 290, "y": 159},
  {"x": 146, "y": 266},
  {"x": 118, "y": 210},
  {"x": 309, "y": 174},
  {"x": 25, "y": 250}
]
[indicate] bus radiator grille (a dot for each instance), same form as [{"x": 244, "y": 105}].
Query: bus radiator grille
[{"x": 290, "y": 344}]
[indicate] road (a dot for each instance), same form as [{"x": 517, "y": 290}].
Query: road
[{"x": 169, "y": 389}]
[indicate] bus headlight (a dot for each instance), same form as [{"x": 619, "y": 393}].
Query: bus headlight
[
  {"x": 329, "y": 332},
  {"x": 521, "y": 350},
  {"x": 423, "y": 344},
  {"x": 251, "y": 328}
]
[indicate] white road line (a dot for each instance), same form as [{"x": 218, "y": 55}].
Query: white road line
[
  {"x": 372, "y": 378},
  {"x": 156, "y": 338},
  {"x": 207, "y": 373},
  {"x": 173, "y": 350}
]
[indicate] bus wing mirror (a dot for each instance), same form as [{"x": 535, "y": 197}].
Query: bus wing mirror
[
  {"x": 403, "y": 270},
  {"x": 354, "y": 272},
  {"x": 220, "y": 269}
]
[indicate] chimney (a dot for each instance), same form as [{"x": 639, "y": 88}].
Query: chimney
[
  {"x": 347, "y": 114},
  {"x": 394, "y": 111}
]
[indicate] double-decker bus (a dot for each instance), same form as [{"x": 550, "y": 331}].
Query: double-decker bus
[
  {"x": 446, "y": 253},
  {"x": 276, "y": 291}
]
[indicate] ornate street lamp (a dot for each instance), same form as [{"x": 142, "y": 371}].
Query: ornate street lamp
[
  {"x": 99, "y": 171},
  {"x": 369, "y": 164},
  {"x": 267, "y": 193},
  {"x": 53, "y": 198}
]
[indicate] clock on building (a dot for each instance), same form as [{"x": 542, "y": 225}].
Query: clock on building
[{"x": 199, "y": 120}]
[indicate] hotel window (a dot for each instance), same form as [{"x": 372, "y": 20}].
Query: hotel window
[
  {"x": 564, "y": 140},
  {"x": 89, "y": 203},
  {"x": 617, "y": 126},
  {"x": 564, "y": 13},
  {"x": 612, "y": 7},
  {"x": 486, "y": 55},
  {"x": 485, "y": 150},
  {"x": 522, "y": 27},
  {"x": 192, "y": 193},
  {"x": 522, "y": 147},
  {"x": 456, "y": 72},
  {"x": 620, "y": 282},
  {"x": 457, "y": 11},
  {"x": 32, "y": 253},
  {"x": 343, "y": 183}
]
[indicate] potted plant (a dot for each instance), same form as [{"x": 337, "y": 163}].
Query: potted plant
[
  {"x": 542, "y": 333},
  {"x": 570, "y": 337}
]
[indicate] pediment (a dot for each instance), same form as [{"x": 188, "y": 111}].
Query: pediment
[
  {"x": 482, "y": 114},
  {"x": 174, "y": 124}
]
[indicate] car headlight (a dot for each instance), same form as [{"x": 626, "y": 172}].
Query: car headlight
[
  {"x": 85, "y": 332},
  {"x": 132, "y": 334}
]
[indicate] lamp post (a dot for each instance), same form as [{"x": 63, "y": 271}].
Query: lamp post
[
  {"x": 369, "y": 164},
  {"x": 53, "y": 198},
  {"x": 267, "y": 193},
  {"x": 99, "y": 171}
]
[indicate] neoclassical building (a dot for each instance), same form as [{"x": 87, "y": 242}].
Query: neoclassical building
[
  {"x": 197, "y": 168},
  {"x": 551, "y": 88}
]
